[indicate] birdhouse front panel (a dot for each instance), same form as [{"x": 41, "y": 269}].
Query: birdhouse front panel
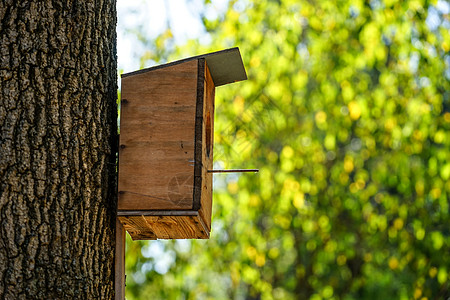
[
  {"x": 166, "y": 145},
  {"x": 157, "y": 139}
]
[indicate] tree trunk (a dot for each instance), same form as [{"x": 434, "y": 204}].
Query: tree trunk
[{"x": 57, "y": 149}]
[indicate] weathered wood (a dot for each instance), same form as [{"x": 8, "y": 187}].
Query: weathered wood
[
  {"x": 137, "y": 227},
  {"x": 165, "y": 227},
  {"x": 166, "y": 148},
  {"x": 120, "y": 262},
  {"x": 207, "y": 148},
  {"x": 163, "y": 140},
  {"x": 157, "y": 139},
  {"x": 158, "y": 213}
]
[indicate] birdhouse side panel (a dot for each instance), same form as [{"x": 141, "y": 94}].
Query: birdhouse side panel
[
  {"x": 207, "y": 148},
  {"x": 157, "y": 138}
]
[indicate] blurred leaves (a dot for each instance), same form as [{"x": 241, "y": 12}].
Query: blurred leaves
[{"x": 346, "y": 113}]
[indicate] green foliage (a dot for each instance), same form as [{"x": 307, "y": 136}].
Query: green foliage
[{"x": 347, "y": 114}]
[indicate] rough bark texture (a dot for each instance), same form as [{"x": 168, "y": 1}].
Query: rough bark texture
[{"x": 57, "y": 149}]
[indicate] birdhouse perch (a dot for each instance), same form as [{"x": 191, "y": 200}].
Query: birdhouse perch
[{"x": 166, "y": 145}]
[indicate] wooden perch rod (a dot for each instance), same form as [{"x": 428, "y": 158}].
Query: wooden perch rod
[{"x": 234, "y": 171}]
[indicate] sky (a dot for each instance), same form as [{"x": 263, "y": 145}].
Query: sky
[{"x": 153, "y": 16}]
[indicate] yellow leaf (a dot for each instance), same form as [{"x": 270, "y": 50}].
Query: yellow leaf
[{"x": 355, "y": 110}]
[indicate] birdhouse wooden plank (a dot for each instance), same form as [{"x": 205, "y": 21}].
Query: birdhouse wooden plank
[{"x": 166, "y": 145}]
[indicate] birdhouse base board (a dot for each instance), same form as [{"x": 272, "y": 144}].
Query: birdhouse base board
[{"x": 152, "y": 225}]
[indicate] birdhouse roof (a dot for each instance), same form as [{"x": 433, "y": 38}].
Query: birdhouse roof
[{"x": 226, "y": 66}]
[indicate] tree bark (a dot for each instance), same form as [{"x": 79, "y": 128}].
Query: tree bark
[{"x": 58, "y": 134}]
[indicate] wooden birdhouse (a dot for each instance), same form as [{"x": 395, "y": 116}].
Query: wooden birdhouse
[{"x": 166, "y": 145}]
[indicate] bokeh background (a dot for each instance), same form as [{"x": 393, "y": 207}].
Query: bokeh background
[{"x": 346, "y": 112}]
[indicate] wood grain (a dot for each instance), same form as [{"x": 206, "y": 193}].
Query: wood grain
[
  {"x": 166, "y": 149},
  {"x": 119, "y": 267},
  {"x": 157, "y": 138},
  {"x": 165, "y": 227},
  {"x": 137, "y": 227},
  {"x": 207, "y": 160}
]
